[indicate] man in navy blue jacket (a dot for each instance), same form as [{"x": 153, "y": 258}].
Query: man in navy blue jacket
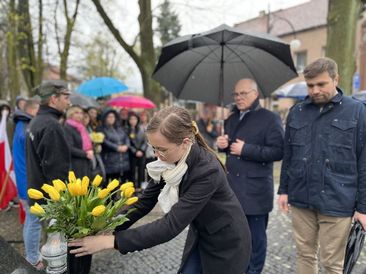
[
  {"x": 323, "y": 176},
  {"x": 253, "y": 140}
]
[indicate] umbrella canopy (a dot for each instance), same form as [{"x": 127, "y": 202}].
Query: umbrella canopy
[
  {"x": 83, "y": 101},
  {"x": 361, "y": 95},
  {"x": 101, "y": 86},
  {"x": 354, "y": 246},
  {"x": 296, "y": 90},
  {"x": 206, "y": 66},
  {"x": 131, "y": 102}
]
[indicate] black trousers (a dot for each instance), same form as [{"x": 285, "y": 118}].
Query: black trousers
[{"x": 258, "y": 227}]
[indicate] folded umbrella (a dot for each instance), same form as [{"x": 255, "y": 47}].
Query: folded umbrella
[{"x": 354, "y": 246}]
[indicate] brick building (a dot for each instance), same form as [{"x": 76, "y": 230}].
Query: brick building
[{"x": 307, "y": 23}]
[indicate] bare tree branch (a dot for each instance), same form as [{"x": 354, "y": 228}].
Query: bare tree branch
[
  {"x": 129, "y": 49},
  {"x": 56, "y": 29}
]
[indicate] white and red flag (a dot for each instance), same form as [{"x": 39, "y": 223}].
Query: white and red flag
[{"x": 8, "y": 190}]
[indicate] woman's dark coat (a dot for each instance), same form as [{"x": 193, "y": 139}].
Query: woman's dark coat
[
  {"x": 138, "y": 140},
  {"x": 208, "y": 205},
  {"x": 114, "y": 161},
  {"x": 80, "y": 164}
]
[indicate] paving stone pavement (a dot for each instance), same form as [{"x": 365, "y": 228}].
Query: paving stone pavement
[{"x": 165, "y": 258}]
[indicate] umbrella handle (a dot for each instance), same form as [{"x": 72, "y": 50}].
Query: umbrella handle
[{"x": 222, "y": 129}]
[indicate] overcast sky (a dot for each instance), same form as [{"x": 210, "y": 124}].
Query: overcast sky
[{"x": 195, "y": 16}]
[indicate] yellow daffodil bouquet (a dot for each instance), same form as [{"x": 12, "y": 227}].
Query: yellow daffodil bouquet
[
  {"x": 81, "y": 208},
  {"x": 97, "y": 137}
]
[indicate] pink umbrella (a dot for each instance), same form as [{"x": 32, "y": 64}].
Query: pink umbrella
[{"x": 131, "y": 101}]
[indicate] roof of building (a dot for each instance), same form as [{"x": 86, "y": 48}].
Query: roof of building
[{"x": 305, "y": 16}]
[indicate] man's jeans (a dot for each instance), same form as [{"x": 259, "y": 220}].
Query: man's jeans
[
  {"x": 31, "y": 235},
  {"x": 258, "y": 226}
]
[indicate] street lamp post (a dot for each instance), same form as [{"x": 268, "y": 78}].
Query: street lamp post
[{"x": 294, "y": 43}]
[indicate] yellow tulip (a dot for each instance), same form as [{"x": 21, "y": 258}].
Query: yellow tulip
[
  {"x": 97, "y": 180},
  {"x": 78, "y": 187},
  {"x": 36, "y": 209},
  {"x": 35, "y": 194},
  {"x": 98, "y": 210},
  {"x": 84, "y": 185},
  {"x": 131, "y": 201},
  {"x": 112, "y": 185},
  {"x": 47, "y": 188},
  {"x": 51, "y": 191},
  {"x": 126, "y": 185},
  {"x": 72, "y": 189},
  {"x": 54, "y": 195},
  {"x": 72, "y": 177},
  {"x": 129, "y": 191},
  {"x": 103, "y": 193},
  {"x": 59, "y": 185}
]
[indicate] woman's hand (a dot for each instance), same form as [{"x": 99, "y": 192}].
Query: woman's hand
[
  {"x": 91, "y": 244},
  {"x": 90, "y": 154},
  {"x": 122, "y": 148}
]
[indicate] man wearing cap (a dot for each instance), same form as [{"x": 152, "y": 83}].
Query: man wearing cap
[{"x": 48, "y": 155}]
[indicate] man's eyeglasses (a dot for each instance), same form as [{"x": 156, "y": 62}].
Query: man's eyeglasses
[{"x": 242, "y": 94}]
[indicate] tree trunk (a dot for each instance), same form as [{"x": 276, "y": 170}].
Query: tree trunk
[
  {"x": 13, "y": 79},
  {"x": 151, "y": 88},
  {"x": 39, "y": 61},
  {"x": 342, "y": 23},
  {"x": 70, "y": 23},
  {"x": 27, "y": 58},
  {"x": 146, "y": 60}
]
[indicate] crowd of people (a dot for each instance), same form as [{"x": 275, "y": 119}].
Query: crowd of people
[{"x": 226, "y": 206}]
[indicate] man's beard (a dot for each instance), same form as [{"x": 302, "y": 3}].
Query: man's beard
[{"x": 321, "y": 99}]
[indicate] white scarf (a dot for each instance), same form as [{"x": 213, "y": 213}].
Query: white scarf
[{"x": 172, "y": 175}]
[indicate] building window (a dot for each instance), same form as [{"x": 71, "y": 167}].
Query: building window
[{"x": 301, "y": 59}]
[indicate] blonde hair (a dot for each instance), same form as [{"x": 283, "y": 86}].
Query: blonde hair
[{"x": 71, "y": 110}]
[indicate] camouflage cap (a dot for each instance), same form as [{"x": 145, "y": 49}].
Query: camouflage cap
[{"x": 49, "y": 88}]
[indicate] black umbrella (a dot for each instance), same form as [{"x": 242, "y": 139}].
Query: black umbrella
[
  {"x": 354, "y": 246},
  {"x": 206, "y": 66}
]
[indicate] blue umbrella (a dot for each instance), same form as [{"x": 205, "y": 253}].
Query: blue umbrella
[
  {"x": 101, "y": 86},
  {"x": 361, "y": 95}
]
